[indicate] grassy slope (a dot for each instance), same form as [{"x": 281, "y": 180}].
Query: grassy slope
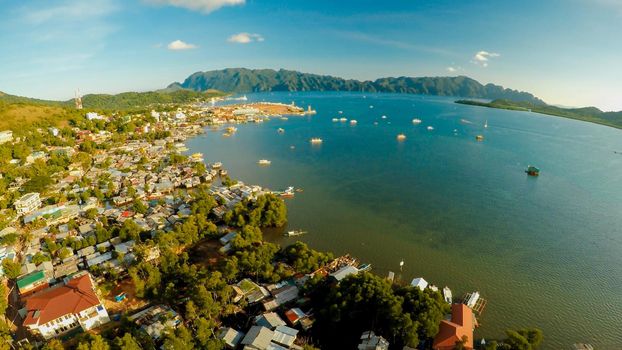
[
  {"x": 588, "y": 114},
  {"x": 17, "y": 112}
]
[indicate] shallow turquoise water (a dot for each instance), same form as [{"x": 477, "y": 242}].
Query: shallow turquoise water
[{"x": 544, "y": 252}]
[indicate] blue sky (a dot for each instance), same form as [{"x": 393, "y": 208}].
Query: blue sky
[{"x": 568, "y": 52}]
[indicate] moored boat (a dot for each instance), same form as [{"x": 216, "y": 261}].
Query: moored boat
[
  {"x": 343, "y": 120},
  {"x": 335, "y": 120},
  {"x": 479, "y": 137},
  {"x": 280, "y": 130},
  {"x": 532, "y": 171},
  {"x": 294, "y": 233},
  {"x": 364, "y": 267},
  {"x": 416, "y": 121},
  {"x": 264, "y": 162},
  {"x": 353, "y": 122},
  {"x": 401, "y": 137},
  {"x": 430, "y": 128},
  {"x": 447, "y": 295},
  {"x": 316, "y": 140}
]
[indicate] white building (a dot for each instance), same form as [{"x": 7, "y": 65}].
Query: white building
[
  {"x": 6, "y": 136},
  {"x": 64, "y": 307},
  {"x": 420, "y": 283},
  {"x": 94, "y": 116},
  {"x": 27, "y": 203}
]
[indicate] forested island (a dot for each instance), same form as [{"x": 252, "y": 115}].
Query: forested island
[
  {"x": 243, "y": 80},
  {"x": 588, "y": 114}
]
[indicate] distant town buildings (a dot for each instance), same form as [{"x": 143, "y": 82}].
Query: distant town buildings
[{"x": 27, "y": 203}]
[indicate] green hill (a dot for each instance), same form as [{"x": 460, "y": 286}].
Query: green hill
[
  {"x": 242, "y": 80},
  {"x": 589, "y": 114}
]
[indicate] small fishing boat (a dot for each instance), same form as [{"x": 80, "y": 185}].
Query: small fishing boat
[
  {"x": 364, "y": 267},
  {"x": 371, "y": 106},
  {"x": 416, "y": 121},
  {"x": 280, "y": 130},
  {"x": 232, "y": 129},
  {"x": 340, "y": 112},
  {"x": 430, "y": 128},
  {"x": 486, "y": 123},
  {"x": 264, "y": 162},
  {"x": 353, "y": 122},
  {"x": 226, "y": 134},
  {"x": 343, "y": 120},
  {"x": 223, "y": 172},
  {"x": 294, "y": 233},
  {"x": 335, "y": 120},
  {"x": 447, "y": 295},
  {"x": 284, "y": 118},
  {"x": 532, "y": 171},
  {"x": 316, "y": 140},
  {"x": 401, "y": 137},
  {"x": 384, "y": 117}
]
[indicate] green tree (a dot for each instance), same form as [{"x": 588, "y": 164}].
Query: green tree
[
  {"x": 11, "y": 268},
  {"x": 127, "y": 342},
  {"x": 53, "y": 344}
]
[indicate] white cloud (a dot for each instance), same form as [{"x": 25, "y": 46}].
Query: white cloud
[
  {"x": 180, "y": 45},
  {"x": 204, "y": 6},
  {"x": 483, "y": 57},
  {"x": 70, "y": 10},
  {"x": 452, "y": 69},
  {"x": 244, "y": 38}
]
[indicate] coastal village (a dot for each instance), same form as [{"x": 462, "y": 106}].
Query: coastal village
[{"x": 76, "y": 242}]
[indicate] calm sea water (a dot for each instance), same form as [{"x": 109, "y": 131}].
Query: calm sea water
[{"x": 544, "y": 252}]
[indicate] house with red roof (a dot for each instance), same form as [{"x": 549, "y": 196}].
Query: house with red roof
[
  {"x": 64, "y": 307},
  {"x": 459, "y": 328}
]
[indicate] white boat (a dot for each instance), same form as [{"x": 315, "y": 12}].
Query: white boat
[
  {"x": 430, "y": 128},
  {"x": 353, "y": 122},
  {"x": 472, "y": 300},
  {"x": 340, "y": 112},
  {"x": 316, "y": 140},
  {"x": 371, "y": 106},
  {"x": 401, "y": 137},
  {"x": 486, "y": 123},
  {"x": 295, "y": 233},
  {"x": 416, "y": 121},
  {"x": 264, "y": 162},
  {"x": 335, "y": 120},
  {"x": 343, "y": 120},
  {"x": 447, "y": 295},
  {"x": 384, "y": 117},
  {"x": 217, "y": 165},
  {"x": 280, "y": 130}
]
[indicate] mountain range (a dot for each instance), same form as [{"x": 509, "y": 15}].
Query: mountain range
[{"x": 243, "y": 80}]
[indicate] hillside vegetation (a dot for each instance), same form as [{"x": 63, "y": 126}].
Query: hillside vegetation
[
  {"x": 17, "y": 112},
  {"x": 256, "y": 80},
  {"x": 588, "y": 114}
]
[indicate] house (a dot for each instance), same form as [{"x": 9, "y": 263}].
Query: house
[
  {"x": 31, "y": 283},
  {"x": 459, "y": 328},
  {"x": 344, "y": 272},
  {"x": 285, "y": 336},
  {"x": 371, "y": 341},
  {"x": 419, "y": 282},
  {"x": 269, "y": 320},
  {"x": 156, "y": 319},
  {"x": 258, "y": 338},
  {"x": 64, "y": 307},
  {"x": 230, "y": 337},
  {"x": 294, "y": 315},
  {"x": 27, "y": 203}
]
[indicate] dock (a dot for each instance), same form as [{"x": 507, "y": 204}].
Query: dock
[{"x": 475, "y": 302}]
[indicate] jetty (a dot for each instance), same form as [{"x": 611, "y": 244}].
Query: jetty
[{"x": 475, "y": 302}]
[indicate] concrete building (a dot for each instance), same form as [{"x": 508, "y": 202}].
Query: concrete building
[
  {"x": 64, "y": 307},
  {"x": 6, "y": 136},
  {"x": 27, "y": 203}
]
